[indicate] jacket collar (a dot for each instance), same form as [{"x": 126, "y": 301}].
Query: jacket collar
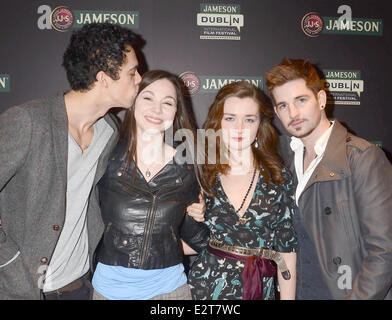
[
  {"x": 334, "y": 165},
  {"x": 60, "y": 136},
  {"x": 170, "y": 175},
  {"x": 60, "y": 132}
]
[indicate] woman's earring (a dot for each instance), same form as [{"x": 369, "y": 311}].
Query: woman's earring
[{"x": 256, "y": 144}]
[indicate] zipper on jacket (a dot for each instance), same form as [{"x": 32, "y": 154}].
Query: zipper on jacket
[
  {"x": 148, "y": 230},
  {"x": 149, "y": 224}
]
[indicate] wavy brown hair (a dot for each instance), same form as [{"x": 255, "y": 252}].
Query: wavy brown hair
[
  {"x": 265, "y": 155},
  {"x": 293, "y": 69}
]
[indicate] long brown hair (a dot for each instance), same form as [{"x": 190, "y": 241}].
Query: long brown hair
[
  {"x": 265, "y": 155},
  {"x": 182, "y": 120}
]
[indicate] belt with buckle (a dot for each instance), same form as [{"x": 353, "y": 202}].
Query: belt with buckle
[
  {"x": 72, "y": 286},
  {"x": 259, "y": 252}
]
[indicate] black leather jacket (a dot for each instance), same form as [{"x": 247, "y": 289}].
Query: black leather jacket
[{"x": 144, "y": 224}]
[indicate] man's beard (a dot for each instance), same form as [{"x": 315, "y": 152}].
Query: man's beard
[{"x": 303, "y": 135}]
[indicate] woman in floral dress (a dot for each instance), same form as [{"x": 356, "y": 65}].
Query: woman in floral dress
[{"x": 249, "y": 204}]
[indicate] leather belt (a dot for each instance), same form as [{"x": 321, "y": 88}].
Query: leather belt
[
  {"x": 72, "y": 286},
  {"x": 258, "y": 252}
]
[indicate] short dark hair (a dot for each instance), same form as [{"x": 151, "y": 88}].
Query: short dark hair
[{"x": 96, "y": 47}]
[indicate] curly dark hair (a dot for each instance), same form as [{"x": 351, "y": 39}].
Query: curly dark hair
[{"x": 96, "y": 47}]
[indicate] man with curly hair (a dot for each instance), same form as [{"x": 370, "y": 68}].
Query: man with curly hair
[{"x": 52, "y": 153}]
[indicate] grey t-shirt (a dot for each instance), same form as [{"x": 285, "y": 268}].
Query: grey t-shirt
[{"x": 70, "y": 259}]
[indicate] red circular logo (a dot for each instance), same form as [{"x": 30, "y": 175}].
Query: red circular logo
[
  {"x": 191, "y": 81},
  {"x": 312, "y": 24},
  {"x": 61, "y": 19}
]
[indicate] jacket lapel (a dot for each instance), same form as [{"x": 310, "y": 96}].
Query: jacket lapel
[
  {"x": 60, "y": 137},
  {"x": 60, "y": 134},
  {"x": 103, "y": 159},
  {"x": 334, "y": 165}
]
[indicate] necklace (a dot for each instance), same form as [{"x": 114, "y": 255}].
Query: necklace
[
  {"x": 147, "y": 170},
  {"x": 148, "y": 173},
  {"x": 243, "y": 220}
]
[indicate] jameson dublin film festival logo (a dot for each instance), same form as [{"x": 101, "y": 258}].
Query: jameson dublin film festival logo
[
  {"x": 343, "y": 87},
  {"x": 5, "y": 83},
  {"x": 63, "y": 18},
  {"x": 212, "y": 84},
  {"x": 220, "y": 21},
  {"x": 312, "y": 24}
]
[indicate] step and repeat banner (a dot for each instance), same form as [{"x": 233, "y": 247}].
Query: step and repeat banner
[{"x": 212, "y": 43}]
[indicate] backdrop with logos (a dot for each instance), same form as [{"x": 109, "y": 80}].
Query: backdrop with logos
[{"x": 211, "y": 43}]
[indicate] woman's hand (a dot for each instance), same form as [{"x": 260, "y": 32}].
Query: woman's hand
[{"x": 197, "y": 210}]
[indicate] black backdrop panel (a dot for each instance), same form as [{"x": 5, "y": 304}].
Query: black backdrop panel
[{"x": 30, "y": 57}]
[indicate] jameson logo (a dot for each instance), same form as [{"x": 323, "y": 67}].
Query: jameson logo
[
  {"x": 63, "y": 19},
  {"x": 128, "y": 19},
  {"x": 346, "y": 24},
  {"x": 214, "y": 83},
  {"x": 5, "y": 83},
  {"x": 362, "y": 26},
  {"x": 219, "y": 21},
  {"x": 312, "y": 24},
  {"x": 343, "y": 87}
]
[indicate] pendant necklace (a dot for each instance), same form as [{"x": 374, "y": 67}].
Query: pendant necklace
[
  {"x": 243, "y": 220},
  {"x": 148, "y": 172}
]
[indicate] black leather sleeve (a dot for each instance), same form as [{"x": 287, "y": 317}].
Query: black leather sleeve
[{"x": 195, "y": 234}]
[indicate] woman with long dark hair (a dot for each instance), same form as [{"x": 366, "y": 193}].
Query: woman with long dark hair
[
  {"x": 249, "y": 205},
  {"x": 144, "y": 194}
]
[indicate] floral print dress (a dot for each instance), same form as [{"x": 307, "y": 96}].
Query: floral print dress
[{"x": 269, "y": 225}]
